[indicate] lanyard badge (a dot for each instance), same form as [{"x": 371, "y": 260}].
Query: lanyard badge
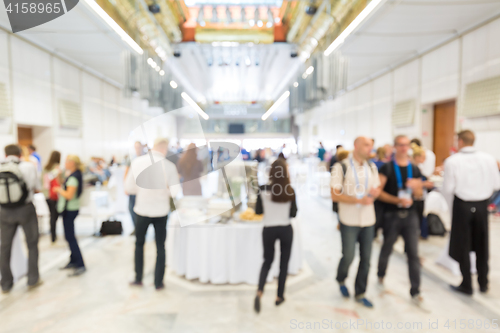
[
  {"x": 402, "y": 192},
  {"x": 360, "y": 195}
]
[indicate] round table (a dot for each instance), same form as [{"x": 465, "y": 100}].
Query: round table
[{"x": 224, "y": 253}]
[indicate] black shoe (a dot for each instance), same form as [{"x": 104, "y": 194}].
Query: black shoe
[
  {"x": 77, "y": 272},
  {"x": 68, "y": 266},
  {"x": 461, "y": 289},
  {"x": 160, "y": 287},
  {"x": 37, "y": 284},
  {"x": 136, "y": 284},
  {"x": 484, "y": 290},
  {"x": 256, "y": 304},
  {"x": 278, "y": 302}
]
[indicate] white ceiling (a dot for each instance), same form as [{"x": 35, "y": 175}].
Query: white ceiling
[
  {"x": 80, "y": 36},
  {"x": 241, "y": 73},
  {"x": 276, "y": 3},
  {"x": 398, "y": 31},
  {"x": 402, "y": 29}
]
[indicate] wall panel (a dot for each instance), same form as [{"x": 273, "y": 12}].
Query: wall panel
[{"x": 31, "y": 72}]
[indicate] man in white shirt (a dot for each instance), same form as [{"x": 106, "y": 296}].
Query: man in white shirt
[
  {"x": 152, "y": 179},
  {"x": 23, "y": 215},
  {"x": 429, "y": 165},
  {"x": 355, "y": 190},
  {"x": 470, "y": 179}
]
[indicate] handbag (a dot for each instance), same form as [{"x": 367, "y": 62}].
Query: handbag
[
  {"x": 436, "y": 226},
  {"x": 111, "y": 227}
]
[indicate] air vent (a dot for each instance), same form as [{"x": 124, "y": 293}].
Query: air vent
[
  {"x": 4, "y": 102},
  {"x": 70, "y": 114},
  {"x": 403, "y": 113},
  {"x": 482, "y": 98}
]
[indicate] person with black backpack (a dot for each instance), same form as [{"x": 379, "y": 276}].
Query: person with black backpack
[
  {"x": 18, "y": 182},
  {"x": 68, "y": 206},
  {"x": 355, "y": 184}
]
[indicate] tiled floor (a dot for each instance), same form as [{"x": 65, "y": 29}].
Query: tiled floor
[{"x": 102, "y": 301}]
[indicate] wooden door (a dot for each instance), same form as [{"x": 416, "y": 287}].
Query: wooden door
[
  {"x": 444, "y": 130},
  {"x": 25, "y": 136}
]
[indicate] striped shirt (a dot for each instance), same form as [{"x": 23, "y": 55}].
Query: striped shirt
[{"x": 355, "y": 215}]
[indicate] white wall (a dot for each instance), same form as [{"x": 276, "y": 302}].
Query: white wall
[
  {"x": 438, "y": 76},
  {"x": 36, "y": 80}
]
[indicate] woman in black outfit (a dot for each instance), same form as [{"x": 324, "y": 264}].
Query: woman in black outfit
[
  {"x": 51, "y": 175},
  {"x": 277, "y": 202}
]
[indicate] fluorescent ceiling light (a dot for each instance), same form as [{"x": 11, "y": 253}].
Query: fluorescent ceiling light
[
  {"x": 354, "y": 24},
  {"x": 308, "y": 72},
  {"x": 275, "y": 105},
  {"x": 190, "y": 101},
  {"x": 295, "y": 84},
  {"x": 125, "y": 37},
  {"x": 162, "y": 72},
  {"x": 173, "y": 84},
  {"x": 225, "y": 44}
]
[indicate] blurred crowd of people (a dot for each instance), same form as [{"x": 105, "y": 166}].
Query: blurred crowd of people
[
  {"x": 372, "y": 189},
  {"x": 385, "y": 189}
]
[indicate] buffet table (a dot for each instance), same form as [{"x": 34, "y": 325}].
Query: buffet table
[{"x": 224, "y": 253}]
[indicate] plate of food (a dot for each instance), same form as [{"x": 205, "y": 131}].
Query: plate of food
[{"x": 249, "y": 216}]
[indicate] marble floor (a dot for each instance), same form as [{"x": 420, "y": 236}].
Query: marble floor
[{"x": 102, "y": 301}]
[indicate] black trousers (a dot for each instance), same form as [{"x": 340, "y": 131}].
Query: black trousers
[
  {"x": 269, "y": 236},
  {"x": 10, "y": 220},
  {"x": 472, "y": 236},
  {"x": 419, "y": 206},
  {"x": 379, "y": 216},
  {"x": 403, "y": 223},
  {"x": 54, "y": 215},
  {"x": 69, "y": 217},
  {"x": 141, "y": 227}
]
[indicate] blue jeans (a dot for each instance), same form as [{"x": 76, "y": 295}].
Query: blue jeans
[
  {"x": 69, "y": 232},
  {"x": 351, "y": 236}
]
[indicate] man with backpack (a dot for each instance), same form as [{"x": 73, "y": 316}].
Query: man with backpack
[
  {"x": 18, "y": 182},
  {"x": 354, "y": 185}
]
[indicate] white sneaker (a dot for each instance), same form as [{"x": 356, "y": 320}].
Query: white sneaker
[{"x": 419, "y": 302}]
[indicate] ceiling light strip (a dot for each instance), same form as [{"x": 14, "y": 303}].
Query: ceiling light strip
[
  {"x": 125, "y": 37},
  {"x": 190, "y": 101},
  {"x": 276, "y": 105},
  {"x": 351, "y": 27}
]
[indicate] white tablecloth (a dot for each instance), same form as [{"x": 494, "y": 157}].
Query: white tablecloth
[
  {"x": 230, "y": 253},
  {"x": 116, "y": 183}
]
